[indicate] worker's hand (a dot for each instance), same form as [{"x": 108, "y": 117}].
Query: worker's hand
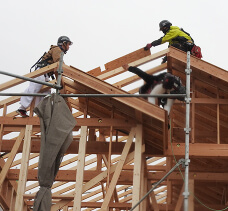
[
  {"x": 125, "y": 66},
  {"x": 148, "y": 46}
]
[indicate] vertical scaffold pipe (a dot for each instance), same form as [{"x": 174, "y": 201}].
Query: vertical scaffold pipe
[
  {"x": 60, "y": 71},
  {"x": 187, "y": 131}
]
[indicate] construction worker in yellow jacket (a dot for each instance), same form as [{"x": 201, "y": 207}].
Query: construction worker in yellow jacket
[
  {"x": 176, "y": 37},
  {"x": 52, "y": 56}
]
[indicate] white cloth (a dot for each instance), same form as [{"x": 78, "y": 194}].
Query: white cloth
[
  {"x": 33, "y": 88},
  {"x": 158, "y": 89}
]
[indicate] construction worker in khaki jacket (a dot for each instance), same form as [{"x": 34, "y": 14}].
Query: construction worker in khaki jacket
[
  {"x": 52, "y": 56},
  {"x": 177, "y": 38}
]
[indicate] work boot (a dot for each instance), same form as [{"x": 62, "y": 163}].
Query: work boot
[{"x": 22, "y": 113}]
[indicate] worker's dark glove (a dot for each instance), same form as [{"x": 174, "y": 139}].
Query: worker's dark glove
[
  {"x": 163, "y": 102},
  {"x": 52, "y": 75},
  {"x": 148, "y": 46},
  {"x": 164, "y": 60},
  {"x": 132, "y": 69}
]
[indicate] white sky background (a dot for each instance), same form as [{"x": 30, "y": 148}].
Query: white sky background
[{"x": 103, "y": 30}]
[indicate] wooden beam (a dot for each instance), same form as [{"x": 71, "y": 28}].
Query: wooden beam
[
  {"x": 208, "y": 101},
  {"x": 141, "y": 61},
  {"x": 169, "y": 183},
  {"x": 193, "y": 106},
  {"x": 11, "y": 157},
  {"x": 131, "y": 57},
  {"x": 152, "y": 197},
  {"x": 90, "y": 122},
  {"x": 125, "y": 176},
  {"x": 118, "y": 170},
  {"x": 137, "y": 166},
  {"x": 24, "y": 169},
  {"x": 203, "y": 66},
  {"x": 94, "y": 179},
  {"x": 2, "y": 127},
  {"x": 209, "y": 150},
  {"x": 101, "y": 87},
  {"x": 80, "y": 169},
  {"x": 218, "y": 120},
  {"x": 33, "y": 74},
  {"x": 143, "y": 182},
  {"x": 191, "y": 196},
  {"x": 94, "y": 147},
  {"x": 180, "y": 200}
]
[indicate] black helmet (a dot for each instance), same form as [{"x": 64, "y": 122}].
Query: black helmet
[
  {"x": 164, "y": 23},
  {"x": 63, "y": 39}
]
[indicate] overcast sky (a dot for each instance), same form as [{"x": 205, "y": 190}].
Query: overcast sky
[{"x": 103, "y": 30}]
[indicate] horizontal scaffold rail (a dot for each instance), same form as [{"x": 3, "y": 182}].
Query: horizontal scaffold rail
[{"x": 99, "y": 95}]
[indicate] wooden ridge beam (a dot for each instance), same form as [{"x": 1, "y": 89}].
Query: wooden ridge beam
[{"x": 119, "y": 69}]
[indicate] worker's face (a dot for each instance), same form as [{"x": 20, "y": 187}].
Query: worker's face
[
  {"x": 66, "y": 46},
  {"x": 164, "y": 29}
]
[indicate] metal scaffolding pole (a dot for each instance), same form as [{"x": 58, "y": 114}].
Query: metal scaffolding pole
[
  {"x": 99, "y": 95},
  {"x": 31, "y": 79},
  {"x": 187, "y": 131},
  {"x": 60, "y": 71}
]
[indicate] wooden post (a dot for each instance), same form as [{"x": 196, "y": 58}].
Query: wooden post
[
  {"x": 180, "y": 200},
  {"x": 11, "y": 157},
  {"x": 191, "y": 196},
  {"x": 169, "y": 183},
  {"x": 12, "y": 200},
  {"x": 80, "y": 169},
  {"x": 137, "y": 167},
  {"x": 143, "y": 185},
  {"x": 2, "y": 126},
  {"x": 193, "y": 113},
  {"x": 118, "y": 171},
  {"x": 24, "y": 169},
  {"x": 218, "y": 119},
  {"x": 152, "y": 197},
  {"x": 110, "y": 152}
]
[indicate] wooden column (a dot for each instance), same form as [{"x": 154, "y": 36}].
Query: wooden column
[
  {"x": 2, "y": 126},
  {"x": 169, "y": 183},
  {"x": 12, "y": 199},
  {"x": 110, "y": 152},
  {"x": 11, "y": 157},
  {"x": 80, "y": 169},
  {"x": 193, "y": 113},
  {"x": 118, "y": 171},
  {"x": 218, "y": 119},
  {"x": 137, "y": 167},
  {"x": 19, "y": 204},
  {"x": 152, "y": 197},
  {"x": 143, "y": 184},
  {"x": 180, "y": 200},
  {"x": 191, "y": 196}
]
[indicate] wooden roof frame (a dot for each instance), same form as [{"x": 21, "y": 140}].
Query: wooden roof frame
[{"x": 129, "y": 139}]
